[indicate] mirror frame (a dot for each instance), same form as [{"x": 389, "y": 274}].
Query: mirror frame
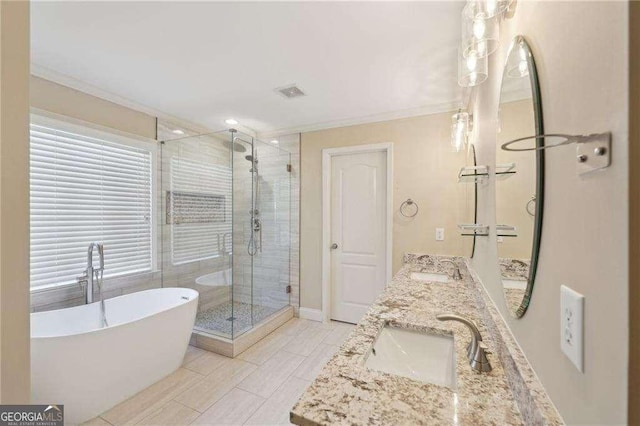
[
  {"x": 472, "y": 148},
  {"x": 520, "y": 41}
]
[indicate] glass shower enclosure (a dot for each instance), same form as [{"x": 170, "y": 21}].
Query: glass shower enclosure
[{"x": 226, "y": 227}]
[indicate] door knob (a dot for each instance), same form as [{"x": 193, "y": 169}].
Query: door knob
[{"x": 334, "y": 246}]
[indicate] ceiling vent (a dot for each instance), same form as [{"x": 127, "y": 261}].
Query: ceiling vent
[{"x": 290, "y": 92}]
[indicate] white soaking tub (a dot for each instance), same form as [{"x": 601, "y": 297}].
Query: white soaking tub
[{"x": 89, "y": 369}]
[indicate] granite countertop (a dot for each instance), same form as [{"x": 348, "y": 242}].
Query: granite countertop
[{"x": 346, "y": 392}]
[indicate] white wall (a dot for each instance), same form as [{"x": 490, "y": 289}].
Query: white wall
[{"x": 581, "y": 50}]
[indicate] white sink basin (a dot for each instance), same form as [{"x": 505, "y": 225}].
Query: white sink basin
[
  {"x": 430, "y": 277},
  {"x": 420, "y": 356}
]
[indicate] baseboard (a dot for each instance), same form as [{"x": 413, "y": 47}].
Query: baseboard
[{"x": 311, "y": 314}]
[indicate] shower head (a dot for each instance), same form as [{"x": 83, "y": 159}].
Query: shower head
[
  {"x": 237, "y": 147},
  {"x": 248, "y": 158}
]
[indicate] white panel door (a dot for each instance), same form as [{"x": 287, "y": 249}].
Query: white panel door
[{"x": 358, "y": 233}]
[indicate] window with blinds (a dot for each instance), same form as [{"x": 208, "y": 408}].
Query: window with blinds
[
  {"x": 84, "y": 189},
  {"x": 199, "y": 210}
]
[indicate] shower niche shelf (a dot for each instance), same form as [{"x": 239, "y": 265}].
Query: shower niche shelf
[
  {"x": 473, "y": 230},
  {"x": 473, "y": 174},
  {"x": 505, "y": 171}
]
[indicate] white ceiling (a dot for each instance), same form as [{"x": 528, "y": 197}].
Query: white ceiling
[{"x": 205, "y": 62}]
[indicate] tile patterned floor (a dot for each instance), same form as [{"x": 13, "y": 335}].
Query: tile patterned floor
[{"x": 257, "y": 388}]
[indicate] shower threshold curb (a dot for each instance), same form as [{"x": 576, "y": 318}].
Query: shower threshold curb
[{"x": 234, "y": 347}]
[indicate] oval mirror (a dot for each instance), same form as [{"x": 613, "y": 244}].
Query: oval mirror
[{"x": 519, "y": 178}]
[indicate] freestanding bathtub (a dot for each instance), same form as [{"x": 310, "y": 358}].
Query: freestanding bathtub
[{"x": 89, "y": 369}]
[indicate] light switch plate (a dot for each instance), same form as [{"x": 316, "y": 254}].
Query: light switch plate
[
  {"x": 439, "y": 234},
  {"x": 572, "y": 325}
]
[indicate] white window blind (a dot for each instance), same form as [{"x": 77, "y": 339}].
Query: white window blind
[
  {"x": 199, "y": 210},
  {"x": 86, "y": 189}
]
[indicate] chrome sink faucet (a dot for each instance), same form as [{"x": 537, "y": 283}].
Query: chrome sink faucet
[
  {"x": 456, "y": 269},
  {"x": 476, "y": 352}
]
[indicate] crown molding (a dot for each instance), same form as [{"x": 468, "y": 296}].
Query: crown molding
[
  {"x": 375, "y": 118},
  {"x": 81, "y": 86},
  {"x": 87, "y": 88}
]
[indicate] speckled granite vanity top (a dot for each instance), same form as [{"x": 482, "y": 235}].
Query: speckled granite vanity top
[{"x": 346, "y": 392}]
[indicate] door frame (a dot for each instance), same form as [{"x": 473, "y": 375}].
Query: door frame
[{"x": 327, "y": 155}]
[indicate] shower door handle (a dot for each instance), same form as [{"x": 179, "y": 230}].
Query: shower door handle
[{"x": 334, "y": 246}]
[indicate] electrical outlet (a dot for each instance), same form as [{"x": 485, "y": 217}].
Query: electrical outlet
[
  {"x": 572, "y": 325},
  {"x": 439, "y": 234},
  {"x": 500, "y": 239}
]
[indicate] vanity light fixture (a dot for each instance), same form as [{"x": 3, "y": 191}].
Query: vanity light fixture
[
  {"x": 460, "y": 129},
  {"x": 177, "y": 132},
  {"x": 231, "y": 121},
  {"x": 480, "y": 38},
  {"x": 479, "y": 35},
  {"x": 472, "y": 69}
]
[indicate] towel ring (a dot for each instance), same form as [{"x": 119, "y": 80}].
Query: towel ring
[
  {"x": 408, "y": 202},
  {"x": 528, "y": 207}
]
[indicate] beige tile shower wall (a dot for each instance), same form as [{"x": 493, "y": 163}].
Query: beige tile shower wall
[
  {"x": 242, "y": 196},
  {"x": 209, "y": 150},
  {"x": 581, "y": 50},
  {"x": 425, "y": 170}
]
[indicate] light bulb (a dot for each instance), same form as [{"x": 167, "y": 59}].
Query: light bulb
[
  {"x": 479, "y": 28},
  {"x": 472, "y": 68},
  {"x": 472, "y": 61}
]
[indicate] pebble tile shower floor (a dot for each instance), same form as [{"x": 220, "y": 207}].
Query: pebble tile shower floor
[
  {"x": 219, "y": 319},
  {"x": 258, "y": 387}
]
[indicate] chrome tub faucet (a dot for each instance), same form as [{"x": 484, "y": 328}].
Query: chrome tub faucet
[{"x": 91, "y": 275}]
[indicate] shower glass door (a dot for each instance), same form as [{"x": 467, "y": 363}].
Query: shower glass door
[{"x": 271, "y": 262}]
